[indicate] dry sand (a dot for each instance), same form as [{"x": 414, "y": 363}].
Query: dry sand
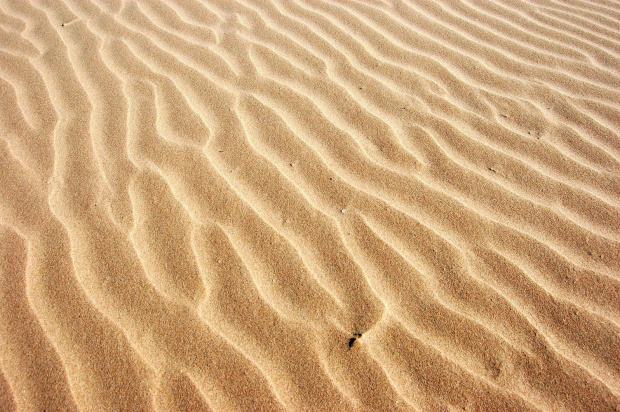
[{"x": 310, "y": 205}]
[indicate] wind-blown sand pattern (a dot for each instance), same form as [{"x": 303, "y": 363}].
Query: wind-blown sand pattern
[{"x": 203, "y": 202}]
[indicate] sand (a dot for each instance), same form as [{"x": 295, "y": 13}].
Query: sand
[{"x": 371, "y": 205}]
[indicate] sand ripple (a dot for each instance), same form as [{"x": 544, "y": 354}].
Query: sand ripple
[{"x": 310, "y": 205}]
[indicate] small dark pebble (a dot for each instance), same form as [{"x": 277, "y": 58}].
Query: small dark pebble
[{"x": 352, "y": 340}]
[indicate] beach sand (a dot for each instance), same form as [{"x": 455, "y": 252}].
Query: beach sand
[{"x": 371, "y": 205}]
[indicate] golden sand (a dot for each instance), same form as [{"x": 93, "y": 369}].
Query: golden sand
[{"x": 371, "y": 205}]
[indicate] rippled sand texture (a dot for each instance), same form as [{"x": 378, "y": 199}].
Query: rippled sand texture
[{"x": 201, "y": 202}]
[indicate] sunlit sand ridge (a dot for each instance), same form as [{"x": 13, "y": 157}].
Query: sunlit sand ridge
[{"x": 310, "y": 205}]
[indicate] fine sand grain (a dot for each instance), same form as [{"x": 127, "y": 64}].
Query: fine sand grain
[{"x": 321, "y": 205}]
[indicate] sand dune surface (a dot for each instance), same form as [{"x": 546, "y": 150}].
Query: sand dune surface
[{"x": 319, "y": 205}]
